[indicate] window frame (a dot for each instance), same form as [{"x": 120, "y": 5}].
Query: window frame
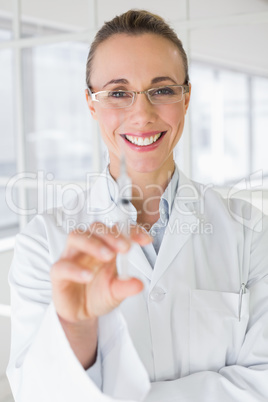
[{"x": 18, "y": 43}]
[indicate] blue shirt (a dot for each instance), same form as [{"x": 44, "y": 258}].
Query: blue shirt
[{"x": 165, "y": 206}]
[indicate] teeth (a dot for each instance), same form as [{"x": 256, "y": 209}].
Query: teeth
[{"x": 143, "y": 141}]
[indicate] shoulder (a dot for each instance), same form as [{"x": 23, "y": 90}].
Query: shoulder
[{"x": 206, "y": 202}]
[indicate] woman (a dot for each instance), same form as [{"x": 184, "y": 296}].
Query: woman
[{"x": 190, "y": 323}]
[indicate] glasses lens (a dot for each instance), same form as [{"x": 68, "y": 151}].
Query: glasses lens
[
  {"x": 115, "y": 99},
  {"x": 164, "y": 95}
]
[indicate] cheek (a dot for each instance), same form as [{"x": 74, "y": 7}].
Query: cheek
[
  {"x": 174, "y": 117},
  {"x": 109, "y": 121}
]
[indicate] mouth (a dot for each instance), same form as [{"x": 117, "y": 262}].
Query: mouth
[{"x": 143, "y": 141}]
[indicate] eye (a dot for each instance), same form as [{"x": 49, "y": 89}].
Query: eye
[
  {"x": 119, "y": 94},
  {"x": 162, "y": 91}
]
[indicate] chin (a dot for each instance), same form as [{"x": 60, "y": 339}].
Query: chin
[{"x": 145, "y": 166}]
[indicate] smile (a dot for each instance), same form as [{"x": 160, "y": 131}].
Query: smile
[{"x": 142, "y": 142}]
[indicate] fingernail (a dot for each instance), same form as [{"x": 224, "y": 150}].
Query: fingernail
[
  {"x": 145, "y": 236},
  {"x": 86, "y": 275},
  {"x": 106, "y": 252},
  {"x": 122, "y": 245}
]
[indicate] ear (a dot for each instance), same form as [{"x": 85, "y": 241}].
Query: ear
[
  {"x": 90, "y": 104},
  {"x": 187, "y": 99}
]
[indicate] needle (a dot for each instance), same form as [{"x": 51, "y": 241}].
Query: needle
[{"x": 125, "y": 192}]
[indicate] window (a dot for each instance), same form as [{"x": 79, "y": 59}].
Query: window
[
  {"x": 228, "y": 113},
  {"x": 228, "y": 120},
  {"x": 59, "y": 134},
  {"x": 8, "y": 220},
  {"x": 58, "y": 129},
  {"x": 260, "y": 124}
]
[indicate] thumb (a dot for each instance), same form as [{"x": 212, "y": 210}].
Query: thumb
[{"x": 121, "y": 289}]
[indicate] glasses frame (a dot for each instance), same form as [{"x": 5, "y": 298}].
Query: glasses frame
[{"x": 93, "y": 95}]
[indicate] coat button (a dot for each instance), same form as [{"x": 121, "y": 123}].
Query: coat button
[{"x": 157, "y": 294}]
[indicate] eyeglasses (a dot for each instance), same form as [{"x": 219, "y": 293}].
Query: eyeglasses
[{"x": 157, "y": 96}]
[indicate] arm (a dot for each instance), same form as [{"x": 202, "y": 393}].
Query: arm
[
  {"x": 44, "y": 364},
  {"x": 83, "y": 337}
]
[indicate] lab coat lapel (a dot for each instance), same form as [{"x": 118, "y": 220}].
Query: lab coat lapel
[
  {"x": 104, "y": 210},
  {"x": 181, "y": 226},
  {"x": 100, "y": 205},
  {"x": 137, "y": 259}
]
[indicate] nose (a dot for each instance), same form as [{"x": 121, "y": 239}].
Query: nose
[{"x": 142, "y": 112}]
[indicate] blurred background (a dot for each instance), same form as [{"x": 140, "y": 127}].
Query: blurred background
[{"x": 48, "y": 139}]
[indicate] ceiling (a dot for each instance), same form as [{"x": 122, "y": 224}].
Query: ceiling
[{"x": 241, "y": 45}]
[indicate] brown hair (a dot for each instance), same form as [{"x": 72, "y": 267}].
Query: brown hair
[{"x": 135, "y": 22}]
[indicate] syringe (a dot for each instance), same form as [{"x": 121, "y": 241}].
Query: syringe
[{"x": 125, "y": 193}]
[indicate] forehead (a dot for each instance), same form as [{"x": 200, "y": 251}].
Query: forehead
[{"x": 137, "y": 59}]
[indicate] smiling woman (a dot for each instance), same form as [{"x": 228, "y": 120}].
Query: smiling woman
[
  {"x": 190, "y": 321},
  {"x": 145, "y": 116}
]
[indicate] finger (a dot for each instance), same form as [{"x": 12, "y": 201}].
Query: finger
[
  {"x": 94, "y": 265},
  {"x": 88, "y": 243},
  {"x": 140, "y": 235},
  {"x": 135, "y": 233},
  {"x": 122, "y": 289},
  {"x": 67, "y": 270},
  {"x": 112, "y": 236}
]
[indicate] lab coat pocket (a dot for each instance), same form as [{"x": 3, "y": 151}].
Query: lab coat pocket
[{"x": 218, "y": 322}]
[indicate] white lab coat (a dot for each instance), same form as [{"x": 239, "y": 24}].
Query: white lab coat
[{"x": 191, "y": 333}]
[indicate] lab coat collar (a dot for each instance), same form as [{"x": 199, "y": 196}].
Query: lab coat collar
[
  {"x": 183, "y": 216},
  {"x": 99, "y": 201},
  {"x": 138, "y": 259},
  {"x": 181, "y": 225},
  {"x": 106, "y": 211}
]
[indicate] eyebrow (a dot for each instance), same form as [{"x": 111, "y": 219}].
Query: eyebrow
[
  {"x": 116, "y": 81},
  {"x": 160, "y": 79},
  {"x": 124, "y": 81}
]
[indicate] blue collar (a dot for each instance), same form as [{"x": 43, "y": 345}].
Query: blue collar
[{"x": 166, "y": 201}]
